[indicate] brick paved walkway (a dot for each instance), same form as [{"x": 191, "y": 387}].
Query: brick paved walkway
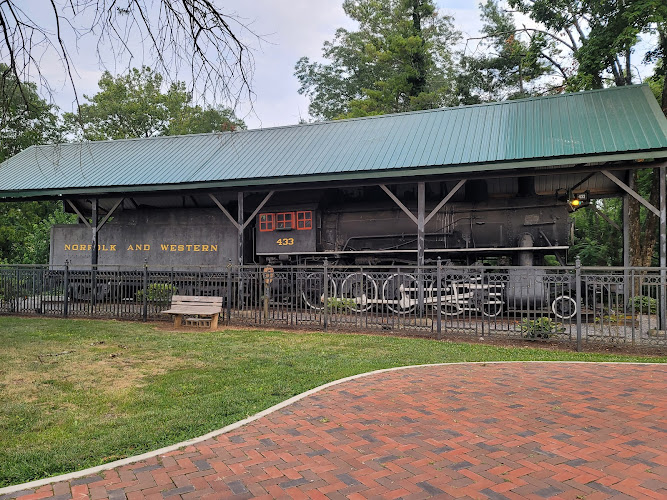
[{"x": 537, "y": 430}]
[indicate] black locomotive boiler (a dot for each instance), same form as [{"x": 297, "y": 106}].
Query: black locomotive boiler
[{"x": 370, "y": 234}]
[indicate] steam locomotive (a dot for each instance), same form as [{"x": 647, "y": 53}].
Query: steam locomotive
[
  {"x": 349, "y": 227},
  {"x": 358, "y": 232}
]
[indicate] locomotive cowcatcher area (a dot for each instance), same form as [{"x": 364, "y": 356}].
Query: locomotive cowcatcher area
[{"x": 448, "y": 221}]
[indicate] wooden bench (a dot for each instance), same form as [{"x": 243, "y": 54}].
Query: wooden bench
[{"x": 195, "y": 311}]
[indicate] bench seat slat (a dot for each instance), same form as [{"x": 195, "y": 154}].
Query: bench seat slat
[
  {"x": 196, "y": 299},
  {"x": 193, "y": 310}
]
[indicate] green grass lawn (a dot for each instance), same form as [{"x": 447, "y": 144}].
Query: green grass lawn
[{"x": 79, "y": 393}]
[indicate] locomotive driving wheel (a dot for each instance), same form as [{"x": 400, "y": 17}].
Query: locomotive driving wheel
[
  {"x": 488, "y": 303},
  {"x": 312, "y": 290},
  {"x": 564, "y": 307},
  {"x": 449, "y": 298},
  {"x": 360, "y": 291},
  {"x": 398, "y": 292}
]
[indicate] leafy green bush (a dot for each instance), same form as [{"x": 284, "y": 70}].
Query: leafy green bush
[
  {"x": 9, "y": 288},
  {"x": 540, "y": 327},
  {"x": 339, "y": 304},
  {"x": 644, "y": 304},
  {"x": 158, "y": 293}
]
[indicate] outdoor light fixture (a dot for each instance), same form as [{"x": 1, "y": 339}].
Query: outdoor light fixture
[
  {"x": 575, "y": 200},
  {"x": 578, "y": 200}
]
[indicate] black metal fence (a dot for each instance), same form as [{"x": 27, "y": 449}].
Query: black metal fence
[{"x": 620, "y": 306}]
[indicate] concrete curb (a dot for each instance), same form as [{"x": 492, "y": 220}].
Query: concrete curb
[{"x": 144, "y": 456}]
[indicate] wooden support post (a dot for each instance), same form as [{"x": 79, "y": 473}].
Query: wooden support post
[
  {"x": 626, "y": 241},
  {"x": 421, "y": 208},
  {"x": 78, "y": 213},
  {"x": 93, "y": 253},
  {"x": 109, "y": 214},
  {"x": 663, "y": 249},
  {"x": 93, "y": 227},
  {"x": 259, "y": 207},
  {"x": 626, "y": 230},
  {"x": 240, "y": 226}
]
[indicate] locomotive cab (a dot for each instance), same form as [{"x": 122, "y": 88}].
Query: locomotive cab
[{"x": 286, "y": 232}]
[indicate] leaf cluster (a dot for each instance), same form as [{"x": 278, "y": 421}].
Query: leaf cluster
[
  {"x": 25, "y": 118},
  {"x": 400, "y": 59},
  {"x": 135, "y": 105},
  {"x": 25, "y": 230},
  {"x": 596, "y": 241},
  {"x": 601, "y": 35}
]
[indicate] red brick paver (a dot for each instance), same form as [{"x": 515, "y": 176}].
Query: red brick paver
[{"x": 516, "y": 430}]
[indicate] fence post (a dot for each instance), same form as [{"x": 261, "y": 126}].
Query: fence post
[
  {"x": 229, "y": 292},
  {"x": 66, "y": 290},
  {"x": 144, "y": 307},
  {"x": 93, "y": 289},
  {"x": 438, "y": 281},
  {"x": 632, "y": 303},
  {"x": 488, "y": 298},
  {"x": 326, "y": 293},
  {"x": 17, "y": 290},
  {"x": 577, "y": 285}
]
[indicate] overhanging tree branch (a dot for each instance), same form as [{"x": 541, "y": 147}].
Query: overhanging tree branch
[
  {"x": 527, "y": 31},
  {"x": 169, "y": 35}
]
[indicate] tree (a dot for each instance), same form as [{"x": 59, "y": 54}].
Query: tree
[
  {"x": 399, "y": 59},
  {"x": 596, "y": 241},
  {"x": 25, "y": 230},
  {"x": 505, "y": 65},
  {"x": 134, "y": 105},
  {"x": 25, "y": 120},
  {"x": 601, "y": 35},
  {"x": 175, "y": 34}
]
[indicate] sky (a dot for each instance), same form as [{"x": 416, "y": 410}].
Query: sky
[
  {"x": 289, "y": 29},
  {"x": 294, "y": 28}
]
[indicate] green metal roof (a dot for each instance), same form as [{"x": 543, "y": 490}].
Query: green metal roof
[{"x": 623, "y": 123}]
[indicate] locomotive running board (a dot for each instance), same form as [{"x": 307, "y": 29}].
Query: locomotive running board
[{"x": 428, "y": 250}]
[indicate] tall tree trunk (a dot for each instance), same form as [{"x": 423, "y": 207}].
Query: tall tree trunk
[
  {"x": 662, "y": 33},
  {"x": 635, "y": 225},
  {"x": 652, "y": 222},
  {"x": 643, "y": 239},
  {"x": 418, "y": 80}
]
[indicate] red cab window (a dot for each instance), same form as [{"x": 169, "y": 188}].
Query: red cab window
[
  {"x": 304, "y": 220},
  {"x": 285, "y": 221},
  {"x": 266, "y": 222}
]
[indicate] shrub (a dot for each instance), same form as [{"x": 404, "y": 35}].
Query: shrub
[
  {"x": 540, "y": 327},
  {"x": 158, "y": 293},
  {"x": 644, "y": 304},
  {"x": 337, "y": 304}
]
